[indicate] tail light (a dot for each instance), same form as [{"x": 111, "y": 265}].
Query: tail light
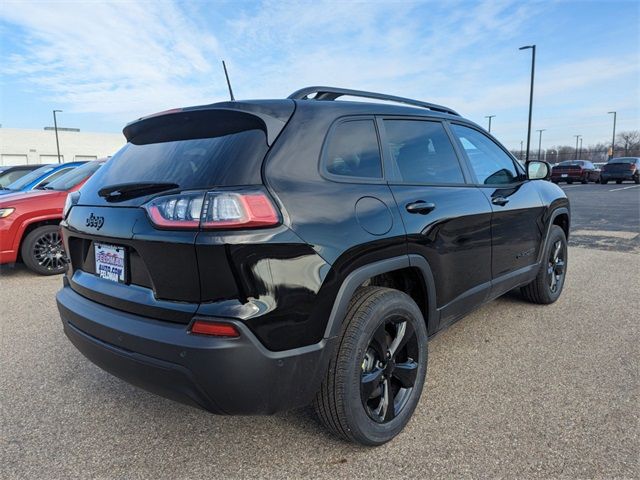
[{"x": 213, "y": 210}]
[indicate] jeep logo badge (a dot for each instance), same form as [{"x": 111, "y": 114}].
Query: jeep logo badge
[{"x": 95, "y": 222}]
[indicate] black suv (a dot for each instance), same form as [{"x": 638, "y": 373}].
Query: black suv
[{"x": 247, "y": 257}]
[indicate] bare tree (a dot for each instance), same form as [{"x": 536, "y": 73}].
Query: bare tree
[{"x": 629, "y": 141}]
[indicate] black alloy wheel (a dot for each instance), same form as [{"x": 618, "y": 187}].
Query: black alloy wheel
[
  {"x": 375, "y": 379},
  {"x": 556, "y": 266},
  {"x": 389, "y": 369}
]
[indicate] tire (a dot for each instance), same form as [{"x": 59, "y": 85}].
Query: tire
[
  {"x": 636, "y": 179},
  {"x": 344, "y": 404},
  {"x": 585, "y": 180},
  {"x": 569, "y": 182},
  {"x": 604, "y": 182},
  {"x": 42, "y": 251},
  {"x": 618, "y": 182},
  {"x": 543, "y": 289}
]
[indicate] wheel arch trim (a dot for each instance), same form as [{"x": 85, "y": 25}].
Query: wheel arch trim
[
  {"x": 554, "y": 214},
  {"x": 357, "y": 277}
]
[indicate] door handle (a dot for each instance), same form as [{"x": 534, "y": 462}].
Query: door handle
[
  {"x": 420, "y": 206},
  {"x": 499, "y": 201}
]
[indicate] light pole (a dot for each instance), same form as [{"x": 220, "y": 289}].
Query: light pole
[
  {"x": 489, "y": 117},
  {"x": 577, "y": 137},
  {"x": 521, "y": 152},
  {"x": 580, "y": 150},
  {"x": 540, "y": 142},
  {"x": 533, "y": 68},
  {"x": 613, "y": 138},
  {"x": 55, "y": 127}
]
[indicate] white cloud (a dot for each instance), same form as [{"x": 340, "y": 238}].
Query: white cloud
[{"x": 125, "y": 59}]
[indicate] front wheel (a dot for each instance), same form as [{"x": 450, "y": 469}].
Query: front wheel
[
  {"x": 42, "y": 250},
  {"x": 547, "y": 286},
  {"x": 376, "y": 376}
]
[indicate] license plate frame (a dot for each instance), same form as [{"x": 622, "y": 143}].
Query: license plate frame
[{"x": 110, "y": 262}]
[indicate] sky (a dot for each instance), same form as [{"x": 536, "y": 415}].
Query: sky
[{"x": 107, "y": 63}]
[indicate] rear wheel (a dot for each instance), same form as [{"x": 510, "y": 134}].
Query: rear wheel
[
  {"x": 585, "y": 179},
  {"x": 42, "y": 250},
  {"x": 637, "y": 177},
  {"x": 569, "y": 182},
  {"x": 376, "y": 377},
  {"x": 547, "y": 286},
  {"x": 618, "y": 182}
]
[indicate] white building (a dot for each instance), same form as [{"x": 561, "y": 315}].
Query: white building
[{"x": 21, "y": 146}]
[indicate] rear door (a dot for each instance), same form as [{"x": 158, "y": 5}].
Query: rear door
[
  {"x": 447, "y": 220},
  {"x": 517, "y": 223}
]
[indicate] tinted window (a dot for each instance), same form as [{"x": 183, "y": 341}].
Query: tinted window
[
  {"x": 30, "y": 177},
  {"x": 71, "y": 178},
  {"x": 353, "y": 150},
  {"x": 490, "y": 163},
  {"x": 422, "y": 153},
  {"x": 623, "y": 160},
  {"x": 53, "y": 176},
  {"x": 232, "y": 159}
]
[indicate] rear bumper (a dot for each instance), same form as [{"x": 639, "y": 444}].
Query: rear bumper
[
  {"x": 222, "y": 375},
  {"x": 570, "y": 178},
  {"x": 617, "y": 175}
]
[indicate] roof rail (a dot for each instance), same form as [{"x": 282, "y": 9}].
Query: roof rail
[{"x": 332, "y": 93}]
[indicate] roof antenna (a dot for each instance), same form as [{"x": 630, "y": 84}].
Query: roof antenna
[{"x": 228, "y": 82}]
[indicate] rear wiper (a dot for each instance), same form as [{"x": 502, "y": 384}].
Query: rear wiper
[{"x": 125, "y": 191}]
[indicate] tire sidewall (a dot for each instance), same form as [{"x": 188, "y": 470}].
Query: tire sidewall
[{"x": 362, "y": 426}]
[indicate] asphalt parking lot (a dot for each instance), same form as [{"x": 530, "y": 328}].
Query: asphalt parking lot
[{"x": 513, "y": 390}]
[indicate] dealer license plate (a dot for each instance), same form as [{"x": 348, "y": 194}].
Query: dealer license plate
[{"x": 110, "y": 262}]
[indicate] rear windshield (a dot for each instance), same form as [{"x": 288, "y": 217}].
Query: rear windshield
[
  {"x": 74, "y": 177},
  {"x": 623, "y": 160},
  {"x": 226, "y": 160},
  {"x": 30, "y": 177}
]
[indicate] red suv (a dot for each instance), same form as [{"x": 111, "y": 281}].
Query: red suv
[{"x": 29, "y": 222}]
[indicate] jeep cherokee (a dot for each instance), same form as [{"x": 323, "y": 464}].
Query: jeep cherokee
[{"x": 247, "y": 257}]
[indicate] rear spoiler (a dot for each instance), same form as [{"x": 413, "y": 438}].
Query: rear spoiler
[{"x": 211, "y": 121}]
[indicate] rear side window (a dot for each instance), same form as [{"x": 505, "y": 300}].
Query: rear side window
[
  {"x": 490, "y": 163},
  {"x": 353, "y": 151},
  {"x": 422, "y": 153}
]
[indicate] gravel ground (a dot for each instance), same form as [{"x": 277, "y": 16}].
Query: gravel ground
[{"x": 513, "y": 390}]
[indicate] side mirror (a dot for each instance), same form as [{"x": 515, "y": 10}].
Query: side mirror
[{"x": 538, "y": 170}]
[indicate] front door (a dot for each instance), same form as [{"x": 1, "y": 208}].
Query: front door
[{"x": 517, "y": 224}]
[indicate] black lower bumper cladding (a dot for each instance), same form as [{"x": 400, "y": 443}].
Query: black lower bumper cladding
[{"x": 221, "y": 375}]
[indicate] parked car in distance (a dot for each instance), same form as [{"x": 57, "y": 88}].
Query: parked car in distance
[
  {"x": 29, "y": 221},
  {"x": 39, "y": 178},
  {"x": 621, "y": 169},
  {"x": 248, "y": 257},
  {"x": 11, "y": 173},
  {"x": 574, "y": 171}
]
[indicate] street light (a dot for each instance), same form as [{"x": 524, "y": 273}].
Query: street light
[
  {"x": 613, "y": 139},
  {"x": 533, "y": 67},
  {"x": 521, "y": 154},
  {"x": 55, "y": 127},
  {"x": 540, "y": 141},
  {"x": 580, "y": 154},
  {"x": 489, "y": 117},
  {"x": 577, "y": 137}
]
